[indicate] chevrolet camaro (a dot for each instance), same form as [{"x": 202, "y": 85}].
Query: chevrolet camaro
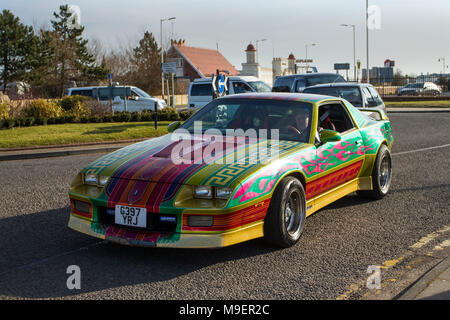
[{"x": 242, "y": 167}]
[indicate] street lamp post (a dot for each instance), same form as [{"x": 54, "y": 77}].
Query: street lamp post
[
  {"x": 367, "y": 41},
  {"x": 306, "y": 49},
  {"x": 443, "y": 64},
  {"x": 257, "y": 52},
  {"x": 354, "y": 49},
  {"x": 162, "y": 54}
]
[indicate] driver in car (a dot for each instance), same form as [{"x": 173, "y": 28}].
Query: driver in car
[{"x": 301, "y": 125}]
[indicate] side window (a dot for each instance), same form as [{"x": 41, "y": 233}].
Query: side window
[
  {"x": 134, "y": 94},
  {"x": 240, "y": 87},
  {"x": 201, "y": 89},
  {"x": 86, "y": 93},
  {"x": 300, "y": 85},
  {"x": 369, "y": 100},
  {"x": 335, "y": 117},
  {"x": 376, "y": 96}
]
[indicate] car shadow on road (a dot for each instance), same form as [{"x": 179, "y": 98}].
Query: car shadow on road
[{"x": 37, "y": 249}]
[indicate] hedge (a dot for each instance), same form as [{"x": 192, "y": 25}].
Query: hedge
[{"x": 167, "y": 114}]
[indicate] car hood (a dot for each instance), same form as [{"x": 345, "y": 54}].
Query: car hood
[{"x": 153, "y": 161}]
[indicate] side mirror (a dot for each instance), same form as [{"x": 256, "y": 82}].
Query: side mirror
[
  {"x": 173, "y": 126},
  {"x": 329, "y": 136}
]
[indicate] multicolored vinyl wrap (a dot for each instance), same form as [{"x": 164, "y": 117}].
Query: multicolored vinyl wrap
[{"x": 143, "y": 175}]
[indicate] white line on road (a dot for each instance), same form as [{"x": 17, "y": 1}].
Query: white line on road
[{"x": 422, "y": 149}]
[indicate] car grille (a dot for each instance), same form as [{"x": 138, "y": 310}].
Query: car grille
[{"x": 106, "y": 216}]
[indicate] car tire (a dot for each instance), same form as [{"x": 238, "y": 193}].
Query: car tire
[
  {"x": 286, "y": 214},
  {"x": 381, "y": 175}
]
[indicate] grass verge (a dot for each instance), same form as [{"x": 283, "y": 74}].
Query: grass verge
[
  {"x": 418, "y": 104},
  {"x": 79, "y": 133}
]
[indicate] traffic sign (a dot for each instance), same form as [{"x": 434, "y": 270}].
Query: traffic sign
[
  {"x": 341, "y": 66},
  {"x": 169, "y": 67},
  {"x": 221, "y": 84}
]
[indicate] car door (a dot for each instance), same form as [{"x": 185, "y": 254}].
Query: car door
[
  {"x": 200, "y": 94},
  {"x": 377, "y": 99},
  {"x": 369, "y": 101},
  {"x": 238, "y": 87},
  {"x": 339, "y": 162},
  {"x": 300, "y": 85},
  {"x": 138, "y": 103}
]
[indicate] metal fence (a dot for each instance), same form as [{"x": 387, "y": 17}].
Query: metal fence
[{"x": 424, "y": 85}]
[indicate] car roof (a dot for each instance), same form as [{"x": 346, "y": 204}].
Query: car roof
[
  {"x": 92, "y": 87},
  {"x": 306, "y": 75},
  {"x": 341, "y": 84},
  {"x": 287, "y": 96},
  {"x": 245, "y": 78}
]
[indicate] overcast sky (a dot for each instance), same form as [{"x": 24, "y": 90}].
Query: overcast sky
[{"x": 414, "y": 33}]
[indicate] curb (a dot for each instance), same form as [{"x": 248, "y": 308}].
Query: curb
[
  {"x": 422, "y": 283},
  {"x": 116, "y": 142},
  {"x": 38, "y": 155},
  {"x": 419, "y": 111}
]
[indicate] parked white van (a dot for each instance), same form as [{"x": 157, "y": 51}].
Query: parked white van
[
  {"x": 200, "y": 90},
  {"x": 136, "y": 99}
]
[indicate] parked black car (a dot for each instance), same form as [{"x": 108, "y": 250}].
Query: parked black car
[{"x": 298, "y": 82}]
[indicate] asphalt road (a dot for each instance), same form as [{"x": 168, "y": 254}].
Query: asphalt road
[{"x": 404, "y": 233}]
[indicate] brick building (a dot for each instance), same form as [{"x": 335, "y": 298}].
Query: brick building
[{"x": 193, "y": 63}]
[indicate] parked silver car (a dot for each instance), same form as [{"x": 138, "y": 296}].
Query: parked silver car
[
  {"x": 360, "y": 95},
  {"x": 420, "y": 88},
  {"x": 123, "y": 98}
]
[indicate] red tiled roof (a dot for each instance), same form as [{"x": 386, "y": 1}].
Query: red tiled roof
[{"x": 206, "y": 61}]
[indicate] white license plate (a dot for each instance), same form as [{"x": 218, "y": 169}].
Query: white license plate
[{"x": 131, "y": 216}]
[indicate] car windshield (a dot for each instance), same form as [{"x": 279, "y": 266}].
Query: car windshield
[
  {"x": 291, "y": 119},
  {"x": 142, "y": 93},
  {"x": 283, "y": 84},
  {"x": 260, "y": 86},
  {"x": 312, "y": 80},
  {"x": 351, "y": 94}
]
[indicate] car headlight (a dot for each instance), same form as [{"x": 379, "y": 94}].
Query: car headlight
[
  {"x": 204, "y": 192},
  {"x": 223, "y": 193},
  {"x": 208, "y": 192},
  {"x": 102, "y": 180},
  {"x": 91, "y": 179},
  {"x": 95, "y": 180}
]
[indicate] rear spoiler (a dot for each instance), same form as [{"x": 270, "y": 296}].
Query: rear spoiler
[{"x": 374, "y": 114}]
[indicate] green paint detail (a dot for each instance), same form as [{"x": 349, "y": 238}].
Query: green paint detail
[
  {"x": 98, "y": 228},
  {"x": 169, "y": 238}
]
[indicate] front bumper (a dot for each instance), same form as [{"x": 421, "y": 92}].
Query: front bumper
[{"x": 146, "y": 238}]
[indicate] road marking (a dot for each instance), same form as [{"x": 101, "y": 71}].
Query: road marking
[
  {"x": 388, "y": 264},
  {"x": 428, "y": 238},
  {"x": 355, "y": 287},
  {"x": 441, "y": 246},
  {"x": 422, "y": 149}
]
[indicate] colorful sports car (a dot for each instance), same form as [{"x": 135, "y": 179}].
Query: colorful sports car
[{"x": 243, "y": 167}]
